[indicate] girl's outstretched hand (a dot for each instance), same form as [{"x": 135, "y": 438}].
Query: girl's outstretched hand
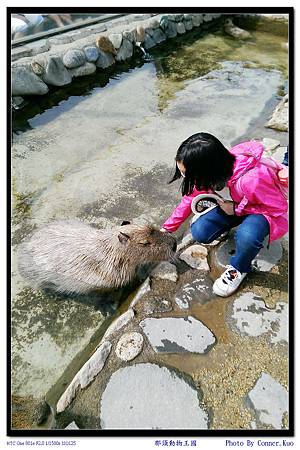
[{"x": 227, "y": 206}]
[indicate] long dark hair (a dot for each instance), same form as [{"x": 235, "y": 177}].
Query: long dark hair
[{"x": 208, "y": 164}]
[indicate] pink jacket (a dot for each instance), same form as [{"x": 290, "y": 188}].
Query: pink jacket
[{"x": 254, "y": 191}]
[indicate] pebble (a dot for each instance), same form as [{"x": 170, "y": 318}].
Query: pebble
[
  {"x": 116, "y": 40},
  {"x": 26, "y": 82},
  {"x": 105, "y": 60},
  {"x": 129, "y": 346},
  {"x": 73, "y": 58},
  {"x": 125, "y": 51},
  {"x": 91, "y": 53},
  {"x": 180, "y": 28},
  {"x": 280, "y": 117},
  {"x": 196, "y": 257},
  {"x": 87, "y": 69},
  {"x": 56, "y": 73}
]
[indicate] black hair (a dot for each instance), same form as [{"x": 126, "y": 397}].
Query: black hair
[{"x": 208, "y": 164}]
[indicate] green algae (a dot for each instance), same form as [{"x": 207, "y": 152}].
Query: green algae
[{"x": 193, "y": 60}]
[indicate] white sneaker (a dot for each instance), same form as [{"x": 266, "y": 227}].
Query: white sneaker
[{"x": 228, "y": 282}]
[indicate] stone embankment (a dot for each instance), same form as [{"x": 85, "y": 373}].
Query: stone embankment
[{"x": 59, "y": 59}]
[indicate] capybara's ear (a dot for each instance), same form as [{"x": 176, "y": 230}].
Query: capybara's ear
[
  {"x": 125, "y": 222},
  {"x": 123, "y": 238}
]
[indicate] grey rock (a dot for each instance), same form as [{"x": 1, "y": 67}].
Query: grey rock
[
  {"x": 188, "y": 16},
  {"x": 148, "y": 42},
  {"x": 74, "y": 58},
  {"x": 235, "y": 31},
  {"x": 186, "y": 240},
  {"x": 116, "y": 40},
  {"x": 85, "y": 375},
  {"x": 158, "y": 36},
  {"x": 105, "y": 60},
  {"x": 20, "y": 52},
  {"x": 280, "y": 117},
  {"x": 266, "y": 259},
  {"x": 153, "y": 23},
  {"x": 165, "y": 271},
  {"x": 146, "y": 396},
  {"x": 55, "y": 72},
  {"x": 91, "y": 53},
  {"x": 199, "y": 291},
  {"x": 207, "y": 17},
  {"x": 196, "y": 257},
  {"x": 270, "y": 145},
  {"x": 17, "y": 102},
  {"x": 251, "y": 317},
  {"x": 143, "y": 289},
  {"x": 87, "y": 69},
  {"x": 179, "y": 17},
  {"x": 178, "y": 335},
  {"x": 140, "y": 33},
  {"x": 119, "y": 323},
  {"x": 168, "y": 17},
  {"x": 269, "y": 400},
  {"x": 130, "y": 35},
  {"x": 25, "y": 82},
  {"x": 188, "y": 25},
  {"x": 37, "y": 68},
  {"x": 129, "y": 346},
  {"x": 197, "y": 19},
  {"x": 169, "y": 28},
  {"x": 125, "y": 51},
  {"x": 72, "y": 426},
  {"x": 180, "y": 28}
]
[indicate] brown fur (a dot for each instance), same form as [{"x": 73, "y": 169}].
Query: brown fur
[{"x": 71, "y": 256}]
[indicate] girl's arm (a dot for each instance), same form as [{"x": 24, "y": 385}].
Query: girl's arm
[{"x": 181, "y": 212}]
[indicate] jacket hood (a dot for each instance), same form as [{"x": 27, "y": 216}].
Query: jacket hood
[{"x": 247, "y": 155}]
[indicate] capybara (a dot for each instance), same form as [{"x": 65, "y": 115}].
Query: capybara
[{"x": 73, "y": 257}]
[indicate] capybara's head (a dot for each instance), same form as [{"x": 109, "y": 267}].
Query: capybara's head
[{"x": 144, "y": 243}]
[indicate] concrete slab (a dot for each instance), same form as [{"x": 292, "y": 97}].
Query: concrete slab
[
  {"x": 178, "y": 335},
  {"x": 269, "y": 400},
  {"x": 251, "y": 317},
  {"x": 146, "y": 396}
]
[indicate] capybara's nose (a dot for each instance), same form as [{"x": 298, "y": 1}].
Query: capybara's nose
[{"x": 174, "y": 247}]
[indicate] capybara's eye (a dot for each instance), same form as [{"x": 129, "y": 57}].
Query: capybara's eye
[{"x": 144, "y": 242}]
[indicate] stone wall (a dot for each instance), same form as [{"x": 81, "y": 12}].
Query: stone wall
[{"x": 58, "y": 60}]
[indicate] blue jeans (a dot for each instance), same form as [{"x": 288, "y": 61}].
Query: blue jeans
[{"x": 249, "y": 236}]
